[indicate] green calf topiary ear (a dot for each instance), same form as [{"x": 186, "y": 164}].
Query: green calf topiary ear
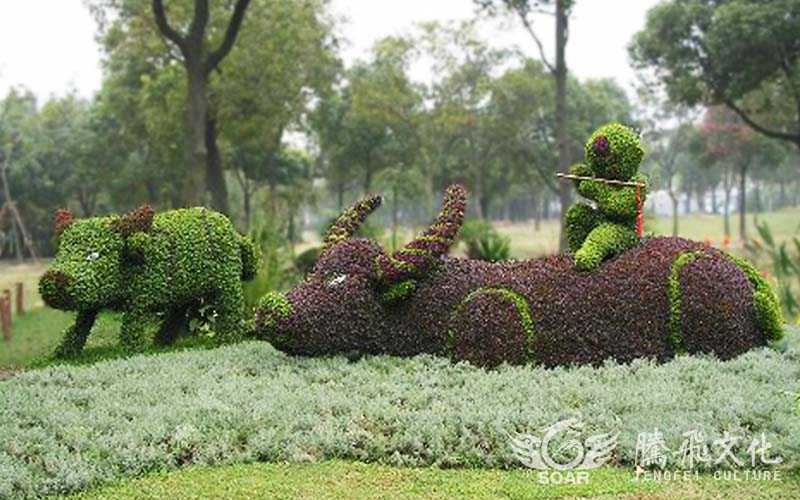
[
  {"x": 62, "y": 220},
  {"x": 140, "y": 220}
]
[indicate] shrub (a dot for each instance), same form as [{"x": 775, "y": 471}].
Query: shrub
[
  {"x": 275, "y": 271},
  {"x": 785, "y": 264},
  {"x": 146, "y": 264},
  {"x": 483, "y": 242},
  {"x": 305, "y": 261},
  {"x": 64, "y": 429}
]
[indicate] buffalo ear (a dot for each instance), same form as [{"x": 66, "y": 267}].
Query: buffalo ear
[
  {"x": 140, "y": 220},
  {"x": 398, "y": 292},
  {"x": 62, "y": 220}
]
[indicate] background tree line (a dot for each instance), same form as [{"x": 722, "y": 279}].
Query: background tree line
[{"x": 247, "y": 106}]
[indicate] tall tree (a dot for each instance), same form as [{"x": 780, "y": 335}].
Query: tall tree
[
  {"x": 273, "y": 82},
  {"x": 524, "y": 11},
  {"x": 729, "y": 141},
  {"x": 203, "y": 168},
  {"x": 743, "y": 54}
]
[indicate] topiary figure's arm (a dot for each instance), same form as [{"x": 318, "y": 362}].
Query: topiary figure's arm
[
  {"x": 618, "y": 202},
  {"x": 582, "y": 170}
]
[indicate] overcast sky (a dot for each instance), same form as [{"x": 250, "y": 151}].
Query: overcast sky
[{"x": 48, "y": 45}]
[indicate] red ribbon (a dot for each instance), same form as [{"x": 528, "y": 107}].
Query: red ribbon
[{"x": 639, "y": 212}]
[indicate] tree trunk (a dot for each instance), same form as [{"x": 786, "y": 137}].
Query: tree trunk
[
  {"x": 483, "y": 201},
  {"x": 291, "y": 231},
  {"x": 560, "y": 76},
  {"x": 756, "y": 200},
  {"x": 796, "y": 197},
  {"x": 340, "y": 196},
  {"x": 215, "y": 177},
  {"x": 714, "y": 207},
  {"x": 687, "y": 202},
  {"x": 701, "y": 200},
  {"x": 727, "y": 210},
  {"x": 367, "y": 180},
  {"x": 247, "y": 199},
  {"x": 194, "y": 148},
  {"x": 545, "y": 206},
  {"x": 394, "y": 218},
  {"x": 674, "y": 198},
  {"x": 743, "y": 202},
  {"x": 199, "y": 62}
]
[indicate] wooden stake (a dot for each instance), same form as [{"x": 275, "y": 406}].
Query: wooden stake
[
  {"x": 5, "y": 315},
  {"x": 20, "y": 299}
]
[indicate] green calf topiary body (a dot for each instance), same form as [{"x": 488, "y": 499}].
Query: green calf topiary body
[
  {"x": 594, "y": 234},
  {"x": 149, "y": 266}
]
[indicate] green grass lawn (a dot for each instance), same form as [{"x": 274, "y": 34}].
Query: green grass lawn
[
  {"x": 28, "y": 274},
  {"x": 346, "y": 480},
  {"x": 38, "y": 332}
]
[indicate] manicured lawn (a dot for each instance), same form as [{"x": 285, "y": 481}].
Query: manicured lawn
[{"x": 354, "y": 480}]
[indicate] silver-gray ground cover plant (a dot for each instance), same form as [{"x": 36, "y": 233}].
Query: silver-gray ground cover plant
[{"x": 64, "y": 429}]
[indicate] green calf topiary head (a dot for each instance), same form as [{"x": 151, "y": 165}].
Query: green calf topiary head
[
  {"x": 87, "y": 272},
  {"x": 614, "y": 151}
]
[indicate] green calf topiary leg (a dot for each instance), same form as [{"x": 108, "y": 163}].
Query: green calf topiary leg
[
  {"x": 605, "y": 240},
  {"x": 229, "y": 306},
  {"x": 133, "y": 334},
  {"x": 174, "y": 323},
  {"x": 581, "y": 220},
  {"x": 75, "y": 336}
]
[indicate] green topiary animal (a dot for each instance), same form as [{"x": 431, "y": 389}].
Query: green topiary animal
[
  {"x": 148, "y": 265},
  {"x": 613, "y": 152}
]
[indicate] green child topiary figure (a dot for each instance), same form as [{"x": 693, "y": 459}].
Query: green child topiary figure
[{"x": 613, "y": 152}]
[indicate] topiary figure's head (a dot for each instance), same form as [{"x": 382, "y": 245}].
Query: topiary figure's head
[
  {"x": 345, "y": 304},
  {"x": 87, "y": 272},
  {"x": 614, "y": 151}
]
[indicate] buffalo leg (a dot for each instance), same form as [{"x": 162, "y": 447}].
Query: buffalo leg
[{"x": 490, "y": 326}]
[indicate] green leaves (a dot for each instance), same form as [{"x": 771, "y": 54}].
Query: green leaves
[{"x": 711, "y": 52}]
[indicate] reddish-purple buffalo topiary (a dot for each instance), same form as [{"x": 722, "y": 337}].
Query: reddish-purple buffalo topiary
[{"x": 664, "y": 296}]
